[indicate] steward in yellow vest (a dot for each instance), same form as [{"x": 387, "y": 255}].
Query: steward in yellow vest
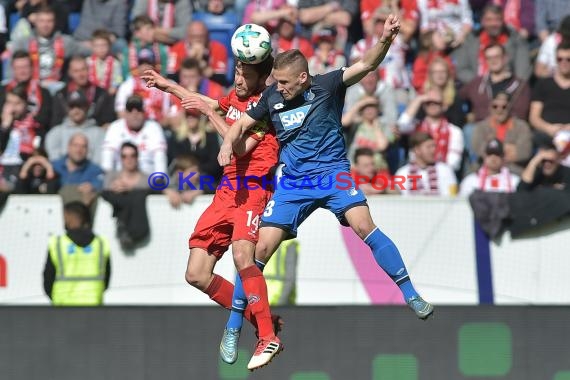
[
  {"x": 78, "y": 266},
  {"x": 281, "y": 274}
]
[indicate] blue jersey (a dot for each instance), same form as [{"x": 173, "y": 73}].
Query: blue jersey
[{"x": 309, "y": 126}]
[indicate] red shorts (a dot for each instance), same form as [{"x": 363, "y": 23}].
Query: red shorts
[{"x": 232, "y": 215}]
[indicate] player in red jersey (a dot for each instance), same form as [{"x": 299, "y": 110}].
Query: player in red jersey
[{"x": 233, "y": 217}]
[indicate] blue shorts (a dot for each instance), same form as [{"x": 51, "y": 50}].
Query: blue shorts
[{"x": 291, "y": 204}]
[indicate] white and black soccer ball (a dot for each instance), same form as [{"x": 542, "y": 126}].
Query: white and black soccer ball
[{"x": 251, "y": 43}]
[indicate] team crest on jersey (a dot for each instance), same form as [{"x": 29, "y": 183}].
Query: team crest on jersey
[
  {"x": 294, "y": 118},
  {"x": 309, "y": 95}
]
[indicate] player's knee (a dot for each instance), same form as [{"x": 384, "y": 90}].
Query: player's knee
[
  {"x": 242, "y": 258},
  {"x": 262, "y": 251},
  {"x": 197, "y": 278},
  {"x": 363, "y": 227}
]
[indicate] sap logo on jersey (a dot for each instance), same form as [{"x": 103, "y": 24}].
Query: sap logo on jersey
[{"x": 294, "y": 118}]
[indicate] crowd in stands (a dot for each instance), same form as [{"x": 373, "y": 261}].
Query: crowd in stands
[{"x": 472, "y": 95}]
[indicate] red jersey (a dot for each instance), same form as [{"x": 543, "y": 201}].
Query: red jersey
[{"x": 259, "y": 161}]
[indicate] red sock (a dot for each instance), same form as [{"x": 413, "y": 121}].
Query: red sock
[
  {"x": 222, "y": 291},
  {"x": 256, "y": 293}
]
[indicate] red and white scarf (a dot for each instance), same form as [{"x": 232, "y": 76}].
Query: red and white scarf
[
  {"x": 484, "y": 41},
  {"x": 34, "y": 94},
  {"x": 432, "y": 180},
  {"x": 27, "y": 128},
  {"x": 106, "y": 80},
  {"x": 59, "y": 51},
  {"x": 495, "y": 181},
  {"x": 167, "y": 17},
  {"x": 153, "y": 99},
  {"x": 134, "y": 48},
  {"x": 440, "y": 133},
  {"x": 438, "y": 4}
]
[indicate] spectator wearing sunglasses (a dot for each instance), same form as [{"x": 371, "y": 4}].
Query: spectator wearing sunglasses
[
  {"x": 514, "y": 133},
  {"x": 550, "y": 106},
  {"x": 499, "y": 78}
]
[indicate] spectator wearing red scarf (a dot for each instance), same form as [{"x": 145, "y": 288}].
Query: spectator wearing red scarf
[
  {"x": 448, "y": 137},
  {"x": 433, "y": 45},
  {"x": 470, "y": 58}
]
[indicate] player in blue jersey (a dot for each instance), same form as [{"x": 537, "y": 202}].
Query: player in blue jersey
[{"x": 306, "y": 112}]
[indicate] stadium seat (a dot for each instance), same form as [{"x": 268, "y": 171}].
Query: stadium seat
[
  {"x": 221, "y": 27},
  {"x": 14, "y": 17},
  {"x": 73, "y": 21}
]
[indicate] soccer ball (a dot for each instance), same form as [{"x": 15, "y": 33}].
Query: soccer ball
[{"x": 251, "y": 44}]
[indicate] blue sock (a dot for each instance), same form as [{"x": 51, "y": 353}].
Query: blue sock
[
  {"x": 239, "y": 301},
  {"x": 388, "y": 257}
]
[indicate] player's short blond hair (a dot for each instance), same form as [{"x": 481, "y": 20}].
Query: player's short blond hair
[{"x": 291, "y": 59}]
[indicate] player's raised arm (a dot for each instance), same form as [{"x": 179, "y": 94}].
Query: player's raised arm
[
  {"x": 374, "y": 55},
  {"x": 233, "y": 138},
  {"x": 154, "y": 79}
]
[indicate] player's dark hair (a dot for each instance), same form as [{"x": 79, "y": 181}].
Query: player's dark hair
[
  {"x": 80, "y": 210},
  {"x": 262, "y": 69},
  {"x": 362, "y": 152},
  {"x": 291, "y": 58},
  {"x": 418, "y": 138}
]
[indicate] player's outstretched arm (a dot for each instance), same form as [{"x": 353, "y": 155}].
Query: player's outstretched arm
[
  {"x": 242, "y": 147},
  {"x": 374, "y": 56},
  {"x": 233, "y": 137},
  {"x": 154, "y": 79},
  {"x": 194, "y": 102}
]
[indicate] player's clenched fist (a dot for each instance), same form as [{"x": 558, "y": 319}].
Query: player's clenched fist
[{"x": 391, "y": 28}]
